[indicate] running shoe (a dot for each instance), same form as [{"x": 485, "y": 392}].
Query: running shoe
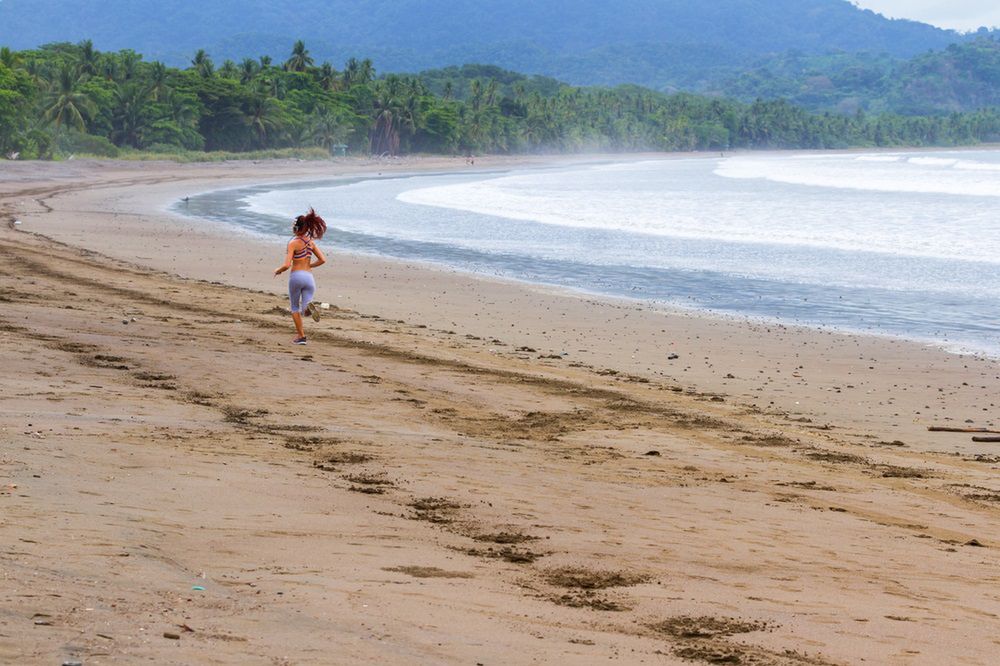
[
  {"x": 313, "y": 310},
  {"x": 299, "y": 341}
]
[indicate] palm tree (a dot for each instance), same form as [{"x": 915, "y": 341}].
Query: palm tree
[
  {"x": 129, "y": 62},
  {"x": 88, "y": 58},
  {"x": 476, "y": 94},
  {"x": 109, "y": 67},
  {"x": 173, "y": 121},
  {"x": 64, "y": 102},
  {"x": 491, "y": 92},
  {"x": 394, "y": 108},
  {"x": 300, "y": 60},
  {"x": 350, "y": 72},
  {"x": 229, "y": 70},
  {"x": 272, "y": 85},
  {"x": 8, "y": 58},
  {"x": 384, "y": 135},
  {"x": 265, "y": 61},
  {"x": 182, "y": 110},
  {"x": 328, "y": 78},
  {"x": 411, "y": 108},
  {"x": 357, "y": 72},
  {"x": 327, "y": 130},
  {"x": 129, "y": 116},
  {"x": 38, "y": 70},
  {"x": 366, "y": 73},
  {"x": 158, "y": 78},
  {"x": 203, "y": 64},
  {"x": 263, "y": 117},
  {"x": 248, "y": 70}
]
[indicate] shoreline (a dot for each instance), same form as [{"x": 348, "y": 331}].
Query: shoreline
[
  {"x": 431, "y": 480},
  {"x": 223, "y": 197},
  {"x": 450, "y": 298}
]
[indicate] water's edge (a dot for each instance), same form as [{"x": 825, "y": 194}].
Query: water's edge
[{"x": 713, "y": 294}]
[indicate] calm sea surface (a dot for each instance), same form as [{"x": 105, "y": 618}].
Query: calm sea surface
[{"x": 903, "y": 244}]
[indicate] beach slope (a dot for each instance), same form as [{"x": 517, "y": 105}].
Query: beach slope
[{"x": 180, "y": 484}]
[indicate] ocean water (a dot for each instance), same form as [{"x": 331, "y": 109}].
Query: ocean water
[{"x": 906, "y": 244}]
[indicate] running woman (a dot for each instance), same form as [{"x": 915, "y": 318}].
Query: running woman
[{"x": 308, "y": 229}]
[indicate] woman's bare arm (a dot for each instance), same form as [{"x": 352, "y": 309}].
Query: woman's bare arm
[
  {"x": 288, "y": 260},
  {"x": 320, "y": 257}
]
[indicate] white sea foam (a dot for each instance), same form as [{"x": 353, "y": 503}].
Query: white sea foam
[
  {"x": 651, "y": 200},
  {"x": 918, "y": 175},
  {"x": 933, "y": 161},
  {"x": 878, "y": 158},
  {"x": 638, "y": 165},
  {"x": 971, "y": 165}
]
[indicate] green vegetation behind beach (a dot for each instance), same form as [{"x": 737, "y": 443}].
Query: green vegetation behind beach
[
  {"x": 666, "y": 45},
  {"x": 66, "y": 99}
]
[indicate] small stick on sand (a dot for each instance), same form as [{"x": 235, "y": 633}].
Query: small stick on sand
[
  {"x": 986, "y": 439},
  {"x": 950, "y": 429}
]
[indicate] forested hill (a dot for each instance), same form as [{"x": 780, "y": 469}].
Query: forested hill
[
  {"x": 658, "y": 43},
  {"x": 959, "y": 78}
]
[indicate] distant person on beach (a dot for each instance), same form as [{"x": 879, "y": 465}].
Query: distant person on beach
[{"x": 308, "y": 229}]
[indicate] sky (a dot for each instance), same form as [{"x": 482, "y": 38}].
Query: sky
[{"x": 955, "y": 14}]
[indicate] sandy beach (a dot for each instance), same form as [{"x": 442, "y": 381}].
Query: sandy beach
[{"x": 455, "y": 469}]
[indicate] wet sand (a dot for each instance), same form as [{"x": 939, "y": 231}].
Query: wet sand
[{"x": 455, "y": 469}]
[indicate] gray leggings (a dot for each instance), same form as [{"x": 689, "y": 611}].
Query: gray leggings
[{"x": 301, "y": 287}]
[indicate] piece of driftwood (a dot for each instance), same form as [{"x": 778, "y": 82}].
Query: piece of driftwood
[
  {"x": 986, "y": 439},
  {"x": 953, "y": 429}
]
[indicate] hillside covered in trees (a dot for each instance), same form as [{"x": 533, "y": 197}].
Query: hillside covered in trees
[
  {"x": 71, "y": 98},
  {"x": 662, "y": 44},
  {"x": 961, "y": 77}
]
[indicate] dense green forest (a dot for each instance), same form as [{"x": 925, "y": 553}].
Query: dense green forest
[
  {"x": 666, "y": 45},
  {"x": 70, "y": 98},
  {"x": 961, "y": 77}
]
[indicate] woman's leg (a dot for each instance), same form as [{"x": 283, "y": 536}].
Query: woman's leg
[
  {"x": 308, "y": 291},
  {"x": 296, "y": 285}
]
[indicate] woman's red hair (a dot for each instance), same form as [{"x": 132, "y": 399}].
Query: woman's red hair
[{"x": 311, "y": 223}]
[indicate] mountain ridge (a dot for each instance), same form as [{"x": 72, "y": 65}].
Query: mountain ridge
[{"x": 664, "y": 44}]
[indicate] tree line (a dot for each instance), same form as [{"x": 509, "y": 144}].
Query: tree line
[
  {"x": 961, "y": 77},
  {"x": 70, "y": 98}
]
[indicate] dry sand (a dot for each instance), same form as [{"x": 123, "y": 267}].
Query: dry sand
[{"x": 455, "y": 470}]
